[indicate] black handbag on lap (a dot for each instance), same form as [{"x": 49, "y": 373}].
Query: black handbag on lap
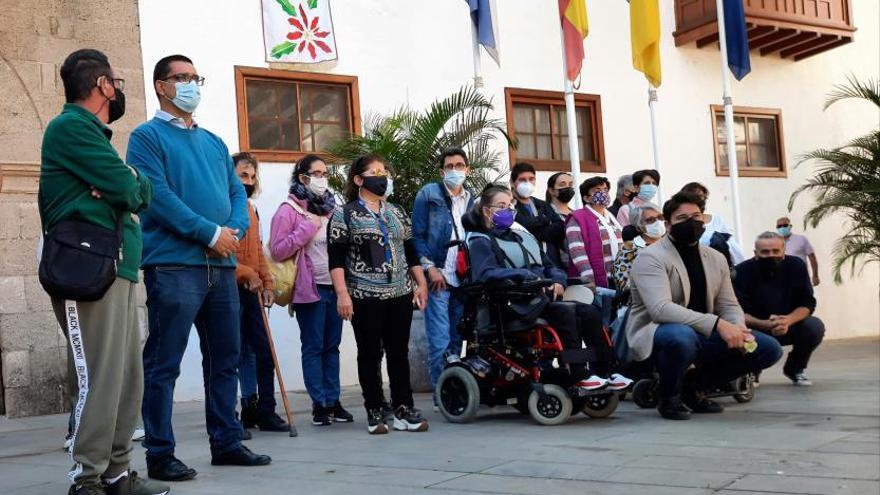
[{"x": 79, "y": 259}]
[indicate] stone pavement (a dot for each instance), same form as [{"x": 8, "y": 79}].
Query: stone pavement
[{"x": 823, "y": 440}]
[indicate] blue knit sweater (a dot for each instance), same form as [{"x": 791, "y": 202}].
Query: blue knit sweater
[{"x": 195, "y": 190}]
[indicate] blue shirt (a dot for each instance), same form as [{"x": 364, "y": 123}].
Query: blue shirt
[{"x": 195, "y": 188}]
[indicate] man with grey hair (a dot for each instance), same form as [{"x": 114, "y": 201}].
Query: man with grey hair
[
  {"x": 625, "y": 193},
  {"x": 776, "y": 295}
]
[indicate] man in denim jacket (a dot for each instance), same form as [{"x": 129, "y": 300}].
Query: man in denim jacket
[{"x": 436, "y": 221}]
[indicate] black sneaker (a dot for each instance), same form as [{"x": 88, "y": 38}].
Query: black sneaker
[
  {"x": 673, "y": 409},
  {"x": 272, "y": 422},
  {"x": 700, "y": 404},
  {"x": 169, "y": 468},
  {"x": 387, "y": 412},
  {"x": 409, "y": 419},
  {"x": 339, "y": 414},
  {"x": 131, "y": 484},
  {"x": 250, "y": 415},
  {"x": 87, "y": 489},
  {"x": 320, "y": 416},
  {"x": 376, "y": 422}
]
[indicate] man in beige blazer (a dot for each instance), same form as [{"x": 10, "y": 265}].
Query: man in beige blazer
[{"x": 684, "y": 312}]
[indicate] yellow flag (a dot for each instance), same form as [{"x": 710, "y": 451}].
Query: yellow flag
[{"x": 644, "y": 21}]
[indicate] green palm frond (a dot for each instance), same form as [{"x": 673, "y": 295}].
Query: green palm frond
[
  {"x": 847, "y": 182},
  {"x": 412, "y": 141}
]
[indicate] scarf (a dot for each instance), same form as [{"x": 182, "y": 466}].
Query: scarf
[{"x": 323, "y": 205}]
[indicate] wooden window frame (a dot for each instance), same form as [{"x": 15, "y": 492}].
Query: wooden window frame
[
  {"x": 243, "y": 73},
  {"x": 556, "y": 98},
  {"x": 780, "y": 172}
]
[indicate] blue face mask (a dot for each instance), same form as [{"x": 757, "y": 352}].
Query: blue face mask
[
  {"x": 453, "y": 178},
  {"x": 784, "y": 231},
  {"x": 647, "y": 191},
  {"x": 187, "y": 97}
]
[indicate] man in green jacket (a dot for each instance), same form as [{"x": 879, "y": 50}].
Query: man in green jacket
[{"x": 83, "y": 177}]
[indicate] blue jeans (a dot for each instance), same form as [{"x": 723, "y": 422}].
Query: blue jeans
[
  {"x": 253, "y": 332},
  {"x": 177, "y": 298},
  {"x": 320, "y": 330},
  {"x": 247, "y": 371},
  {"x": 442, "y": 315},
  {"x": 678, "y": 346}
]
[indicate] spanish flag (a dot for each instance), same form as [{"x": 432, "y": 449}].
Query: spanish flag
[
  {"x": 644, "y": 24},
  {"x": 573, "y": 15}
]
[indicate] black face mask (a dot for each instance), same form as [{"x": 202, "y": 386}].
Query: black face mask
[
  {"x": 376, "y": 185},
  {"x": 565, "y": 194},
  {"x": 687, "y": 233},
  {"x": 769, "y": 265},
  {"x": 249, "y": 189},
  {"x": 117, "y": 107}
]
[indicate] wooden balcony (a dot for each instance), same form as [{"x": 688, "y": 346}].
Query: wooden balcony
[{"x": 793, "y": 29}]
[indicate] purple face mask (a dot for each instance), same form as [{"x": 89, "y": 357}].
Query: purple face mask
[
  {"x": 503, "y": 219},
  {"x": 599, "y": 198}
]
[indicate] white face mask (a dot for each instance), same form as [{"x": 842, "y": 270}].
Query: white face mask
[
  {"x": 656, "y": 229},
  {"x": 318, "y": 185},
  {"x": 525, "y": 189}
]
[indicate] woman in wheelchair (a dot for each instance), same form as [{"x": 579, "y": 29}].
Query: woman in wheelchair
[{"x": 499, "y": 252}]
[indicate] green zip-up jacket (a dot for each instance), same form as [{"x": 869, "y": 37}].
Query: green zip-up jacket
[{"x": 77, "y": 155}]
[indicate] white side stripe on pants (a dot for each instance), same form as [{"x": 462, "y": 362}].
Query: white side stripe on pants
[{"x": 74, "y": 335}]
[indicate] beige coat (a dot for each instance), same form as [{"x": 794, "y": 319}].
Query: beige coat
[{"x": 661, "y": 290}]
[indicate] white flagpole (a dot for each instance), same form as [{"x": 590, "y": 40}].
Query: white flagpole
[
  {"x": 655, "y": 138},
  {"x": 571, "y": 122},
  {"x": 728, "y": 124},
  {"x": 478, "y": 65}
]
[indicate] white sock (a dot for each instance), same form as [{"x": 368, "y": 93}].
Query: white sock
[{"x": 110, "y": 481}]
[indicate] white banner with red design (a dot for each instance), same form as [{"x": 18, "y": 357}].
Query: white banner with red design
[{"x": 298, "y": 31}]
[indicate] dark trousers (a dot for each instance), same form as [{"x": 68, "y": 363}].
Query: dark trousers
[
  {"x": 589, "y": 321},
  {"x": 803, "y": 337},
  {"x": 384, "y": 324},
  {"x": 678, "y": 346},
  {"x": 177, "y": 298},
  {"x": 562, "y": 316},
  {"x": 253, "y": 331}
]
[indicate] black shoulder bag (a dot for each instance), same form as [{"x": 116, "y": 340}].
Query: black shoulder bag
[{"x": 79, "y": 259}]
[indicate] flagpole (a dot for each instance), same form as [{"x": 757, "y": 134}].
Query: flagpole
[
  {"x": 571, "y": 122},
  {"x": 732, "y": 165},
  {"x": 478, "y": 65},
  {"x": 655, "y": 138}
]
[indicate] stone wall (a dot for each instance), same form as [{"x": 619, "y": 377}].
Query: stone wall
[{"x": 35, "y": 37}]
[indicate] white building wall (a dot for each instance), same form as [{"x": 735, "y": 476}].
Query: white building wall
[{"x": 414, "y": 51}]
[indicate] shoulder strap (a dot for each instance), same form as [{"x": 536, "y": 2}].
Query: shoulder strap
[{"x": 295, "y": 206}]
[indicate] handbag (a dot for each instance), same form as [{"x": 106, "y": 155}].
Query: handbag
[
  {"x": 79, "y": 259},
  {"x": 284, "y": 272}
]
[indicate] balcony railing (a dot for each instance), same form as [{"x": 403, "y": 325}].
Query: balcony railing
[{"x": 793, "y": 29}]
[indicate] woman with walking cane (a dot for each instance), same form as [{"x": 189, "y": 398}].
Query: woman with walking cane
[{"x": 254, "y": 290}]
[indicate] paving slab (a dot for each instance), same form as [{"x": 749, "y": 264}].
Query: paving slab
[{"x": 789, "y": 440}]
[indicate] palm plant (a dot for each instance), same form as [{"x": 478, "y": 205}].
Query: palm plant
[
  {"x": 848, "y": 182},
  {"x": 412, "y": 141}
]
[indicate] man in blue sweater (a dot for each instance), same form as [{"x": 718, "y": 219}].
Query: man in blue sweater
[{"x": 191, "y": 232}]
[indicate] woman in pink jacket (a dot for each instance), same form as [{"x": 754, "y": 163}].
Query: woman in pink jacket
[{"x": 303, "y": 229}]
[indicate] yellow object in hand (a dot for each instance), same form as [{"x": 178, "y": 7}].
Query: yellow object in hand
[{"x": 750, "y": 346}]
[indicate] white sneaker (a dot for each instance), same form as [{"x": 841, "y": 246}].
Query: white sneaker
[
  {"x": 800, "y": 379},
  {"x": 592, "y": 383},
  {"x": 138, "y": 435},
  {"x": 619, "y": 382}
]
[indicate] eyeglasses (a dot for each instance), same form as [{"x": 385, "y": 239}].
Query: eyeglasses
[
  {"x": 383, "y": 173},
  {"x": 117, "y": 82},
  {"x": 500, "y": 207},
  {"x": 455, "y": 166},
  {"x": 185, "y": 78},
  {"x": 316, "y": 174},
  {"x": 783, "y": 225},
  {"x": 649, "y": 221}
]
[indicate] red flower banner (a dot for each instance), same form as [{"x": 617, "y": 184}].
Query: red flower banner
[{"x": 298, "y": 31}]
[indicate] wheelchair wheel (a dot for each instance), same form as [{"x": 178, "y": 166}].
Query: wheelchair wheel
[
  {"x": 458, "y": 395},
  {"x": 554, "y": 408},
  {"x": 644, "y": 393},
  {"x": 601, "y": 406},
  {"x": 745, "y": 387}
]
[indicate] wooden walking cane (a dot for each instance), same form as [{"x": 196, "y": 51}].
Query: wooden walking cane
[{"x": 293, "y": 432}]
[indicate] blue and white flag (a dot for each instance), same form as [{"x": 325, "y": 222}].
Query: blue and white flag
[
  {"x": 736, "y": 39},
  {"x": 482, "y": 15}
]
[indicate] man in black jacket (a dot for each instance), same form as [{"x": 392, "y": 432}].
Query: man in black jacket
[
  {"x": 535, "y": 215},
  {"x": 775, "y": 293}
]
